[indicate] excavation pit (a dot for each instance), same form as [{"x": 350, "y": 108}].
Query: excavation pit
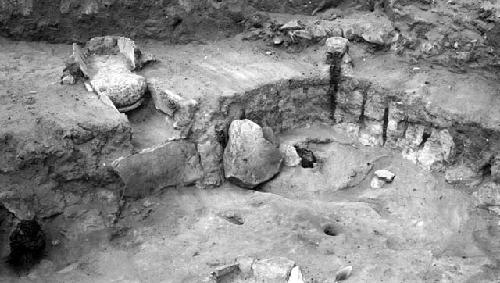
[{"x": 157, "y": 174}]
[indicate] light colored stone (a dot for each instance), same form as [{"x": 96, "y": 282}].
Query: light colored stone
[
  {"x": 250, "y": 159},
  {"x": 164, "y": 99},
  {"x": 372, "y": 28},
  {"x": 296, "y": 276},
  {"x": 89, "y": 88},
  {"x": 68, "y": 80},
  {"x": 290, "y": 156},
  {"x": 385, "y": 175},
  {"x": 292, "y": 25},
  {"x": 79, "y": 57},
  {"x": 127, "y": 48},
  {"x": 377, "y": 183},
  {"x": 372, "y": 134},
  {"x": 304, "y": 34},
  {"x": 336, "y": 45},
  {"x": 123, "y": 88},
  {"x": 275, "y": 269}
]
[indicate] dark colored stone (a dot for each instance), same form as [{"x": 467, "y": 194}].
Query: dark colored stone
[
  {"x": 308, "y": 158},
  {"x": 27, "y": 244}
]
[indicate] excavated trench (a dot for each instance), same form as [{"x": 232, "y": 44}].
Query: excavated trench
[
  {"x": 342, "y": 128},
  {"x": 153, "y": 194}
]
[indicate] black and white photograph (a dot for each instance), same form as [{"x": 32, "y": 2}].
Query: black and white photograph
[{"x": 249, "y": 141}]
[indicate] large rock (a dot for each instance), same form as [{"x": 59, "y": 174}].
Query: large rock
[
  {"x": 375, "y": 29},
  {"x": 249, "y": 159},
  {"x": 108, "y": 63},
  {"x": 124, "y": 89},
  {"x": 437, "y": 150},
  {"x": 174, "y": 163},
  {"x": 429, "y": 150}
]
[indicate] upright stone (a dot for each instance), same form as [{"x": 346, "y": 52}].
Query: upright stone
[
  {"x": 336, "y": 45},
  {"x": 250, "y": 159}
]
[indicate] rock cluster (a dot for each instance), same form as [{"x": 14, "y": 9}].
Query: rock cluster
[
  {"x": 374, "y": 29},
  {"x": 108, "y": 62},
  {"x": 247, "y": 269},
  {"x": 381, "y": 178}
]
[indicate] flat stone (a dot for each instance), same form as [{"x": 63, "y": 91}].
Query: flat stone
[
  {"x": 173, "y": 163},
  {"x": 245, "y": 264},
  {"x": 292, "y": 25},
  {"x": 275, "y": 269},
  {"x": 165, "y": 100},
  {"x": 371, "y": 134},
  {"x": 385, "y": 175},
  {"x": 68, "y": 80},
  {"x": 296, "y": 276},
  {"x": 372, "y": 28},
  {"x": 437, "y": 149},
  {"x": 250, "y": 159}
]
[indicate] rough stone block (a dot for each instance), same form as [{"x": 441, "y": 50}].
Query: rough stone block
[{"x": 175, "y": 163}]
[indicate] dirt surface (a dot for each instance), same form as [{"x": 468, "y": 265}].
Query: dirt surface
[
  {"x": 416, "y": 92},
  {"x": 417, "y": 229}
]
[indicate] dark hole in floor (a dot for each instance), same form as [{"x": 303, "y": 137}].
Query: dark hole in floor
[
  {"x": 331, "y": 230},
  {"x": 27, "y": 245},
  {"x": 307, "y": 156}
]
